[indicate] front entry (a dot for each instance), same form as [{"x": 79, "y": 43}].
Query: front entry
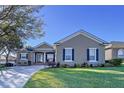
[
  {"x": 39, "y": 57},
  {"x": 44, "y": 57}
]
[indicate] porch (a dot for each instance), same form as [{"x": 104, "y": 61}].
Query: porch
[
  {"x": 40, "y": 54},
  {"x": 44, "y": 57}
]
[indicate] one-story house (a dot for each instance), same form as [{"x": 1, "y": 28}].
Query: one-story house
[{"x": 79, "y": 47}]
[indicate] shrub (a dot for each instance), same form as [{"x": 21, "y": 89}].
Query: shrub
[
  {"x": 108, "y": 65},
  {"x": 91, "y": 65},
  {"x": 25, "y": 63},
  {"x": 52, "y": 64},
  {"x": 58, "y": 65},
  {"x": 78, "y": 65},
  {"x": 102, "y": 65},
  {"x": 107, "y": 61},
  {"x": 75, "y": 65},
  {"x": 86, "y": 65},
  {"x": 64, "y": 65},
  {"x": 83, "y": 65},
  {"x": 116, "y": 62}
]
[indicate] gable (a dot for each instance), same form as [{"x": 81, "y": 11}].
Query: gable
[
  {"x": 84, "y": 33},
  {"x": 80, "y": 41},
  {"x": 44, "y": 46}
]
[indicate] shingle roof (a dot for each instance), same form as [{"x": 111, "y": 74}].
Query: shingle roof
[{"x": 115, "y": 44}]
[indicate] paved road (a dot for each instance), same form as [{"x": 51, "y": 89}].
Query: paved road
[{"x": 17, "y": 76}]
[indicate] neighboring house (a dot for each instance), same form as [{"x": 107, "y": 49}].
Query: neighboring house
[
  {"x": 114, "y": 50},
  {"x": 11, "y": 59},
  {"x": 80, "y": 47}
]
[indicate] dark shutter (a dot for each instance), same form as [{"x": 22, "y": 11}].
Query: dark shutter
[
  {"x": 46, "y": 57},
  {"x": 73, "y": 54},
  {"x": 97, "y": 54},
  {"x": 27, "y": 56},
  {"x": 87, "y": 54},
  {"x": 63, "y": 54},
  {"x": 20, "y": 56},
  {"x": 53, "y": 57}
]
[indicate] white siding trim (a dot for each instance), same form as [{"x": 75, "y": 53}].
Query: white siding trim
[
  {"x": 95, "y": 55},
  {"x": 23, "y": 58},
  {"x": 68, "y": 48},
  {"x": 68, "y": 61},
  {"x": 65, "y": 55}
]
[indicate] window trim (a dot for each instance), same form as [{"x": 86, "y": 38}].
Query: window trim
[
  {"x": 95, "y": 55},
  {"x": 71, "y": 55},
  {"x": 23, "y": 58},
  {"x": 121, "y": 51}
]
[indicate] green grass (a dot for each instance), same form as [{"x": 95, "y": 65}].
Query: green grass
[{"x": 102, "y": 77}]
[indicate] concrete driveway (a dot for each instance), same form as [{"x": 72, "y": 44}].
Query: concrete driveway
[{"x": 17, "y": 76}]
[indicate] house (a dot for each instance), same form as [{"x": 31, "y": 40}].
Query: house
[
  {"x": 114, "y": 50},
  {"x": 79, "y": 47},
  {"x": 11, "y": 59}
]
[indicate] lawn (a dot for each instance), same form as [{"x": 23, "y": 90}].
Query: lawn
[{"x": 102, "y": 77}]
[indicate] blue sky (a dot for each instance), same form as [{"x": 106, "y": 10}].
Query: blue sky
[{"x": 106, "y": 22}]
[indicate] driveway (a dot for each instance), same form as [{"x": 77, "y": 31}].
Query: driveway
[{"x": 17, "y": 76}]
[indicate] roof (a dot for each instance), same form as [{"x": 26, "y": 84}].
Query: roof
[
  {"x": 43, "y": 43},
  {"x": 25, "y": 49},
  {"x": 115, "y": 44},
  {"x": 82, "y": 32}
]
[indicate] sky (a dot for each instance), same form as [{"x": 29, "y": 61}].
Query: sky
[{"x": 106, "y": 22}]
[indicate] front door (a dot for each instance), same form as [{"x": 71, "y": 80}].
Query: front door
[{"x": 39, "y": 57}]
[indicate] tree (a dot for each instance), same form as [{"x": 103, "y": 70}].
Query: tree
[
  {"x": 21, "y": 20},
  {"x": 17, "y": 24},
  {"x": 10, "y": 43}
]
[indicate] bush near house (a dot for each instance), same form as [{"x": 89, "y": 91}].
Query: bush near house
[
  {"x": 108, "y": 63},
  {"x": 64, "y": 65},
  {"x": 52, "y": 64},
  {"x": 58, "y": 65},
  {"x": 116, "y": 62}
]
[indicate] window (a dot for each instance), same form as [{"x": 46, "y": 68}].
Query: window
[
  {"x": 68, "y": 54},
  {"x": 23, "y": 56},
  {"x": 50, "y": 57},
  {"x": 92, "y": 54},
  {"x": 121, "y": 53},
  {"x": 39, "y": 57}
]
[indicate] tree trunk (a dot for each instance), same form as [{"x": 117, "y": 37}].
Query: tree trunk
[{"x": 7, "y": 56}]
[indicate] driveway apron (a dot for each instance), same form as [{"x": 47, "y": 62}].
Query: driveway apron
[{"x": 17, "y": 76}]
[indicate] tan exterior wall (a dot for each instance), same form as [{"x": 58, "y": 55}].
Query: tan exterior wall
[
  {"x": 108, "y": 54},
  {"x": 80, "y": 44},
  {"x": 111, "y": 53},
  {"x": 114, "y": 53}
]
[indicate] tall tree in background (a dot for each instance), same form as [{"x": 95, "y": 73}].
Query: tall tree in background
[{"x": 17, "y": 24}]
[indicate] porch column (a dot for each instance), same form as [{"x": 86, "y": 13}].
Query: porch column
[
  {"x": 55, "y": 57},
  {"x": 44, "y": 57}
]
